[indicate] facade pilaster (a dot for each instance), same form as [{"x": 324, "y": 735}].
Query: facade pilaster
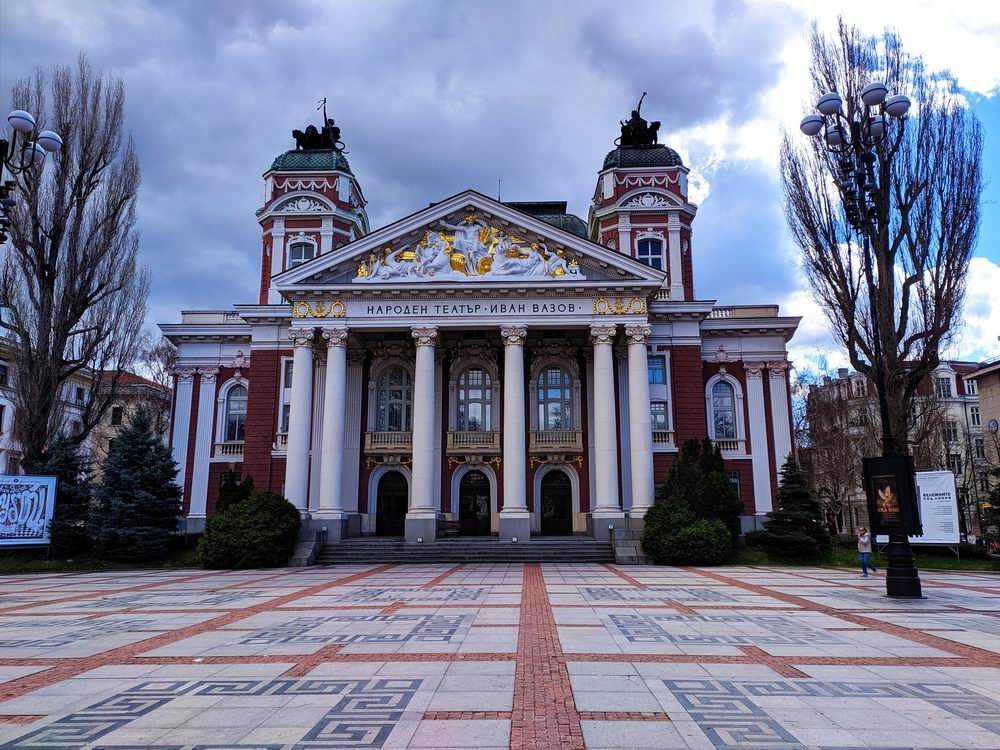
[
  {"x": 606, "y": 509},
  {"x": 331, "y": 502},
  {"x": 183, "y": 397},
  {"x": 299, "y": 418},
  {"x": 780, "y": 415},
  {"x": 421, "y": 517},
  {"x": 758, "y": 437},
  {"x": 515, "y": 521},
  {"x": 674, "y": 257},
  {"x": 203, "y": 443}
]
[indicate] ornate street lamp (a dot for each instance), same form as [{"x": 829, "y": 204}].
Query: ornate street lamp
[
  {"x": 21, "y": 154},
  {"x": 852, "y": 139}
]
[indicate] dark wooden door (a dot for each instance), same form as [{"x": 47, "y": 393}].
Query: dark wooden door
[
  {"x": 556, "y": 503},
  {"x": 474, "y": 504},
  {"x": 390, "y": 510}
]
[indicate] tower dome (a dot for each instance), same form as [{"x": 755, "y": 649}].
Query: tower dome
[{"x": 655, "y": 155}]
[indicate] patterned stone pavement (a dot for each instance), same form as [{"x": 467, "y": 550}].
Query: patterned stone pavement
[{"x": 498, "y": 656}]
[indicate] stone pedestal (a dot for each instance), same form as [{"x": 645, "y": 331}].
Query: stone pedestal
[
  {"x": 515, "y": 525},
  {"x": 421, "y": 528},
  {"x": 599, "y": 521}
]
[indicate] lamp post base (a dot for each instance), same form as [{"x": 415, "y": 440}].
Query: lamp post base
[{"x": 902, "y": 581}]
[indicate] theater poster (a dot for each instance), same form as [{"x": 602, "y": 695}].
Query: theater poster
[{"x": 26, "y": 506}]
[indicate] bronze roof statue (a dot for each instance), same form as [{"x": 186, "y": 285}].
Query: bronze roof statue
[{"x": 637, "y": 131}]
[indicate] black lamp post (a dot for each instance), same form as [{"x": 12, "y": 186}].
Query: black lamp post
[
  {"x": 21, "y": 156},
  {"x": 852, "y": 140}
]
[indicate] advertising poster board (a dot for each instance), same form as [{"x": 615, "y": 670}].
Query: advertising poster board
[
  {"x": 938, "y": 509},
  {"x": 26, "y": 506}
]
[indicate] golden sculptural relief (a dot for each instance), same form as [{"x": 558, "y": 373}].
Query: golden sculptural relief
[
  {"x": 468, "y": 249},
  {"x": 318, "y": 309},
  {"x": 620, "y": 306}
]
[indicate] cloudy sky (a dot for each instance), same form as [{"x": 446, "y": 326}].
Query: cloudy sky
[{"x": 437, "y": 96}]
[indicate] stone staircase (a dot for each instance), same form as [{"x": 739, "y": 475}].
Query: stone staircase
[
  {"x": 467, "y": 550},
  {"x": 628, "y": 547}
]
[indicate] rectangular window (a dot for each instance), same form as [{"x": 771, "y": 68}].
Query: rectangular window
[
  {"x": 975, "y": 417},
  {"x": 650, "y": 252},
  {"x": 657, "y": 368},
  {"x": 117, "y": 415},
  {"x": 943, "y": 387},
  {"x": 734, "y": 479},
  {"x": 79, "y": 395},
  {"x": 950, "y": 431},
  {"x": 285, "y": 411},
  {"x": 954, "y": 463},
  {"x": 971, "y": 387},
  {"x": 980, "y": 446},
  {"x": 3, "y": 375},
  {"x": 3, "y": 413},
  {"x": 288, "y": 373},
  {"x": 658, "y": 416},
  {"x": 859, "y": 387}
]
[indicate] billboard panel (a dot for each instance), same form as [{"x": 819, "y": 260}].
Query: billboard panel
[
  {"x": 26, "y": 505},
  {"x": 938, "y": 509}
]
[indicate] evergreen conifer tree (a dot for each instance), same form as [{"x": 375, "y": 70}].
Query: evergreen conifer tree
[
  {"x": 795, "y": 529},
  {"x": 68, "y": 531},
  {"x": 137, "y": 504}
]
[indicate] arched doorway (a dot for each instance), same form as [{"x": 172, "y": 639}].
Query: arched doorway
[
  {"x": 556, "y": 503},
  {"x": 390, "y": 507},
  {"x": 474, "y": 504}
]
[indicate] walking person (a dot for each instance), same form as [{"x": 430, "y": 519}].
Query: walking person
[{"x": 865, "y": 551}]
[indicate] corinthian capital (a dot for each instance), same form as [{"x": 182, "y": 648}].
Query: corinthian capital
[
  {"x": 638, "y": 333},
  {"x": 208, "y": 374},
  {"x": 753, "y": 369},
  {"x": 424, "y": 335},
  {"x": 601, "y": 333},
  {"x": 513, "y": 335},
  {"x": 334, "y": 336},
  {"x": 184, "y": 374},
  {"x": 778, "y": 367}
]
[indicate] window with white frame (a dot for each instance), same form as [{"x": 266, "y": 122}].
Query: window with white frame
[
  {"x": 942, "y": 386},
  {"x": 236, "y": 414},
  {"x": 650, "y": 252},
  {"x": 950, "y": 431},
  {"x": 734, "y": 479},
  {"x": 555, "y": 399},
  {"x": 656, "y": 365},
  {"x": 724, "y": 410},
  {"x": 394, "y": 400},
  {"x": 285, "y": 409},
  {"x": 475, "y": 400},
  {"x": 954, "y": 463},
  {"x": 980, "y": 448},
  {"x": 658, "y": 416},
  {"x": 971, "y": 388},
  {"x": 299, "y": 252},
  {"x": 975, "y": 417}
]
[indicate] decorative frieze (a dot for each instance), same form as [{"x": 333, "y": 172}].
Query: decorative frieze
[
  {"x": 620, "y": 306},
  {"x": 319, "y": 309}
]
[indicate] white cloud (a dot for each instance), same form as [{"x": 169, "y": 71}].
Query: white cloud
[{"x": 977, "y": 338}]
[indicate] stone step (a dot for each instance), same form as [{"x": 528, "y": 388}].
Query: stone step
[{"x": 487, "y": 550}]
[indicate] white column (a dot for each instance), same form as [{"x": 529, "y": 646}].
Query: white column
[
  {"x": 352, "y": 431},
  {"x": 674, "y": 257},
  {"x": 331, "y": 502},
  {"x": 758, "y": 437},
  {"x": 780, "y": 416},
  {"x": 316, "y": 427},
  {"x": 605, "y": 495},
  {"x": 277, "y": 245},
  {"x": 203, "y": 441},
  {"x": 515, "y": 521},
  {"x": 640, "y": 431},
  {"x": 421, "y": 517},
  {"x": 299, "y": 417},
  {"x": 183, "y": 396}
]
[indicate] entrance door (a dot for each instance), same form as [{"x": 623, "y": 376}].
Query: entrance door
[
  {"x": 474, "y": 504},
  {"x": 556, "y": 503},
  {"x": 390, "y": 508}
]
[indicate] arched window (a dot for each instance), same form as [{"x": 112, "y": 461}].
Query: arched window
[
  {"x": 650, "y": 252},
  {"x": 300, "y": 252},
  {"x": 394, "y": 400},
  {"x": 475, "y": 400},
  {"x": 236, "y": 413},
  {"x": 555, "y": 399},
  {"x": 724, "y": 411}
]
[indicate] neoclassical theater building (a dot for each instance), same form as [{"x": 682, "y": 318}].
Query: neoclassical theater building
[{"x": 477, "y": 367}]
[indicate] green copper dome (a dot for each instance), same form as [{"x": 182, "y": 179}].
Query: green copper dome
[
  {"x": 316, "y": 160},
  {"x": 642, "y": 156}
]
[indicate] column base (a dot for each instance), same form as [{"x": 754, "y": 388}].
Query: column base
[
  {"x": 194, "y": 524},
  {"x": 338, "y": 524},
  {"x": 634, "y": 520},
  {"x": 421, "y": 528},
  {"x": 515, "y": 525},
  {"x": 599, "y": 521}
]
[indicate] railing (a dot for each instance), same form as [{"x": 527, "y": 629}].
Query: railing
[
  {"x": 548, "y": 441},
  {"x": 388, "y": 442},
  {"x": 731, "y": 446},
  {"x": 473, "y": 442},
  {"x": 663, "y": 437},
  {"x": 661, "y": 295},
  {"x": 229, "y": 448},
  {"x": 281, "y": 441},
  {"x": 722, "y": 312}
]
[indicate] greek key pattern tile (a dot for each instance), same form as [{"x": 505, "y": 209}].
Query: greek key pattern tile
[
  {"x": 654, "y": 594},
  {"x": 782, "y": 630},
  {"x": 363, "y": 714},
  {"x": 365, "y": 595},
  {"x": 93, "y": 630},
  {"x": 168, "y": 599},
  {"x": 728, "y": 715},
  {"x": 423, "y": 628}
]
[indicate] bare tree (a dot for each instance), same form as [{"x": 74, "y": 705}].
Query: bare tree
[
  {"x": 159, "y": 361},
  {"x": 929, "y": 170},
  {"x": 73, "y": 291}
]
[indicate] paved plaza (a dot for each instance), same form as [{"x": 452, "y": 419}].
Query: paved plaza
[{"x": 497, "y": 656}]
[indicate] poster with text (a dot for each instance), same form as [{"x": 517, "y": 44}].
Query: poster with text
[
  {"x": 26, "y": 505},
  {"x": 938, "y": 509}
]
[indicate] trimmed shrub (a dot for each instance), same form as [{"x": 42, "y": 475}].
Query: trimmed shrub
[
  {"x": 258, "y": 532},
  {"x": 795, "y": 529},
  {"x": 662, "y": 523},
  {"x": 233, "y": 491},
  {"x": 698, "y": 479},
  {"x": 137, "y": 505},
  {"x": 701, "y": 543}
]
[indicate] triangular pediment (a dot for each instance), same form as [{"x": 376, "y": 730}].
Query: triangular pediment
[{"x": 468, "y": 239}]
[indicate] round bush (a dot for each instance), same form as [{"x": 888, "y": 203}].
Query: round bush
[
  {"x": 673, "y": 536},
  {"x": 259, "y": 532}
]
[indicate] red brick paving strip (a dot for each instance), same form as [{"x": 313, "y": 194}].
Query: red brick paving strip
[
  {"x": 73, "y": 667},
  {"x": 440, "y": 579},
  {"x": 544, "y": 714},
  {"x": 624, "y": 576},
  {"x": 778, "y": 664},
  {"x": 20, "y": 718}
]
